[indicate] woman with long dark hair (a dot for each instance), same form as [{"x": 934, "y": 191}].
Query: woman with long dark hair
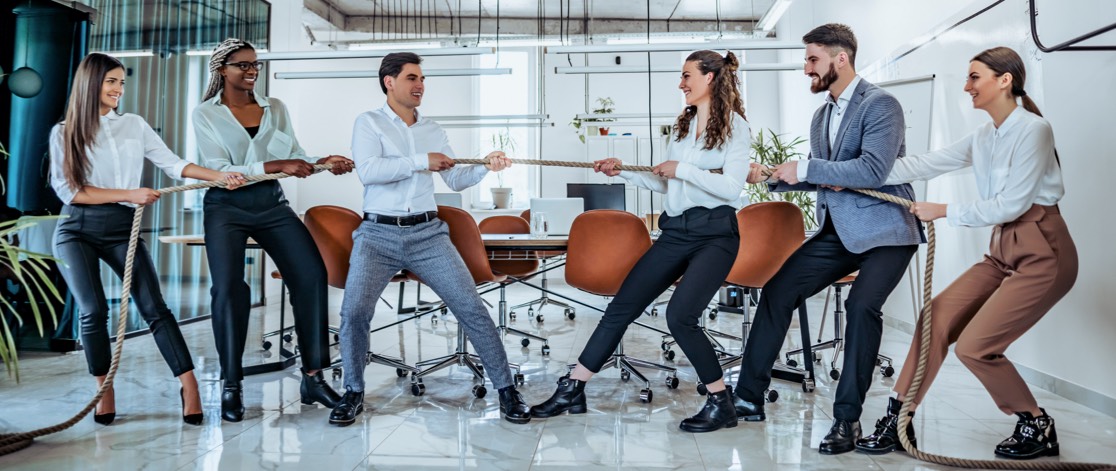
[
  {"x": 699, "y": 238},
  {"x": 96, "y": 158},
  {"x": 1031, "y": 264},
  {"x": 241, "y": 130}
]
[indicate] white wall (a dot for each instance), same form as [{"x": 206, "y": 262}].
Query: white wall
[{"x": 1074, "y": 91}]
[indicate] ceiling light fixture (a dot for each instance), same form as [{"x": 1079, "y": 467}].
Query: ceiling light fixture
[
  {"x": 345, "y": 74},
  {"x": 374, "y": 54},
  {"x": 640, "y": 69},
  {"x": 771, "y": 18},
  {"x": 754, "y": 45}
]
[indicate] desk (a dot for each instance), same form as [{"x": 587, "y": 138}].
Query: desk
[{"x": 524, "y": 243}]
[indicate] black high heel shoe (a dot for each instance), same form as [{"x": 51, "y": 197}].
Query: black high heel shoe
[
  {"x": 103, "y": 419},
  {"x": 192, "y": 419}
]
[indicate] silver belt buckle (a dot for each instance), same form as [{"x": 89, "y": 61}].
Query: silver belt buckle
[{"x": 399, "y": 222}]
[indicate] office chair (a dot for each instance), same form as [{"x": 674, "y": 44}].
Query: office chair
[
  {"x": 332, "y": 229},
  {"x": 546, "y": 256},
  {"x": 466, "y": 238},
  {"x": 514, "y": 269},
  {"x": 604, "y": 245}
]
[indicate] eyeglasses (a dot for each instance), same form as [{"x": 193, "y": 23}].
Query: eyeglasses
[{"x": 246, "y": 65}]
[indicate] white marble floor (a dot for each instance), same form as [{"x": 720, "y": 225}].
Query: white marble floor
[{"x": 449, "y": 429}]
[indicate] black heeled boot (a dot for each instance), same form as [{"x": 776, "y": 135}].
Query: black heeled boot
[
  {"x": 747, "y": 410},
  {"x": 316, "y": 389},
  {"x": 1034, "y": 437},
  {"x": 513, "y": 407},
  {"x": 569, "y": 397},
  {"x": 232, "y": 402},
  {"x": 886, "y": 437},
  {"x": 717, "y": 413}
]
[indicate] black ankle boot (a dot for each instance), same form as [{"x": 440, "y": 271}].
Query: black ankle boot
[
  {"x": 886, "y": 437},
  {"x": 348, "y": 408},
  {"x": 841, "y": 438},
  {"x": 232, "y": 402},
  {"x": 513, "y": 407},
  {"x": 570, "y": 396},
  {"x": 1034, "y": 437},
  {"x": 316, "y": 389},
  {"x": 718, "y": 412},
  {"x": 747, "y": 410}
]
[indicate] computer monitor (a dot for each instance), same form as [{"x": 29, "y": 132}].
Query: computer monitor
[
  {"x": 560, "y": 213},
  {"x": 599, "y": 195},
  {"x": 448, "y": 199}
]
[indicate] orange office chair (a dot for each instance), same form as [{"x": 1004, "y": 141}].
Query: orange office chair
[
  {"x": 769, "y": 233},
  {"x": 514, "y": 269},
  {"x": 604, "y": 245},
  {"x": 466, "y": 238},
  {"x": 332, "y": 229},
  {"x": 546, "y": 256}
]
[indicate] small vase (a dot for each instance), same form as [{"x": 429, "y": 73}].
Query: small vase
[
  {"x": 501, "y": 197},
  {"x": 604, "y": 131}
]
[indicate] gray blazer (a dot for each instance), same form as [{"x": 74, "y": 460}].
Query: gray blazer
[{"x": 871, "y": 137}]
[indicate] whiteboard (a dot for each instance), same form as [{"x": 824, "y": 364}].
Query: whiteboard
[{"x": 916, "y": 95}]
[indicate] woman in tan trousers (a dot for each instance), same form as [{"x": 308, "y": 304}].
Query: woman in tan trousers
[{"x": 1031, "y": 264}]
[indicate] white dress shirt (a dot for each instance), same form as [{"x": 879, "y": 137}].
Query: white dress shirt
[
  {"x": 392, "y": 163},
  {"x": 694, "y": 185},
  {"x": 1014, "y": 167},
  {"x": 225, "y": 145},
  {"x": 837, "y": 110},
  {"x": 116, "y": 156}
]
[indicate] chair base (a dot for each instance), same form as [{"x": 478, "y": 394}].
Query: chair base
[{"x": 627, "y": 366}]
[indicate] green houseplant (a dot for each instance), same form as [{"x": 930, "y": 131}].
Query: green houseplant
[
  {"x": 502, "y": 141},
  {"x": 770, "y": 149},
  {"x": 604, "y": 106},
  {"x": 29, "y": 270}
]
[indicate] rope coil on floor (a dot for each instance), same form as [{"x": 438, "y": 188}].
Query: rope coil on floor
[{"x": 10, "y": 443}]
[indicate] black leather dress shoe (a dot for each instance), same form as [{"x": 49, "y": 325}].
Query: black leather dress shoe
[
  {"x": 1034, "y": 437},
  {"x": 513, "y": 407},
  {"x": 569, "y": 397},
  {"x": 232, "y": 402},
  {"x": 886, "y": 437},
  {"x": 841, "y": 437},
  {"x": 348, "y": 408},
  {"x": 717, "y": 413},
  {"x": 316, "y": 389},
  {"x": 747, "y": 410}
]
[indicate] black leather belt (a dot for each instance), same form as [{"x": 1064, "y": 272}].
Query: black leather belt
[{"x": 402, "y": 221}]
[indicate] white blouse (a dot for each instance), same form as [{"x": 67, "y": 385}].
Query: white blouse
[
  {"x": 694, "y": 185},
  {"x": 1014, "y": 167},
  {"x": 224, "y": 144},
  {"x": 116, "y": 156}
]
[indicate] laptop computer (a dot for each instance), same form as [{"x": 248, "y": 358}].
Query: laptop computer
[
  {"x": 448, "y": 199},
  {"x": 560, "y": 213}
]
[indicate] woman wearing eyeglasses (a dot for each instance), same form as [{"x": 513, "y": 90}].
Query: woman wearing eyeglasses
[{"x": 240, "y": 130}]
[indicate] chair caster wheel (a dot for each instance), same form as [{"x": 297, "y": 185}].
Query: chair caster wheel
[
  {"x": 672, "y": 382},
  {"x": 792, "y": 363},
  {"x": 267, "y": 345},
  {"x": 539, "y": 318},
  {"x": 570, "y": 314},
  {"x": 624, "y": 376},
  {"x": 654, "y": 312},
  {"x": 530, "y": 311},
  {"x": 713, "y": 314},
  {"x": 664, "y": 346},
  {"x": 817, "y": 359},
  {"x": 442, "y": 311},
  {"x": 511, "y": 316},
  {"x": 887, "y": 371},
  {"x": 518, "y": 379},
  {"x": 336, "y": 372},
  {"x": 418, "y": 389},
  {"x": 525, "y": 342},
  {"x": 772, "y": 395},
  {"x": 479, "y": 391},
  {"x": 400, "y": 372},
  {"x": 669, "y": 355},
  {"x": 808, "y": 385},
  {"x": 546, "y": 350},
  {"x": 287, "y": 338},
  {"x": 702, "y": 389},
  {"x": 835, "y": 374},
  {"x": 645, "y": 396},
  {"x": 336, "y": 337}
]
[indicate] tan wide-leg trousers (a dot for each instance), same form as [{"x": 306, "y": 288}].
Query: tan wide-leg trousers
[{"x": 1032, "y": 263}]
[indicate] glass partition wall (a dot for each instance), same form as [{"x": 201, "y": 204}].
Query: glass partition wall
[{"x": 165, "y": 47}]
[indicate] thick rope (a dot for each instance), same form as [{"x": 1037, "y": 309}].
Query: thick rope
[
  {"x": 563, "y": 163},
  {"x": 12, "y": 442}
]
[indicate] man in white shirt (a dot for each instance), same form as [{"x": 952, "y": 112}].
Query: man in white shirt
[{"x": 397, "y": 152}]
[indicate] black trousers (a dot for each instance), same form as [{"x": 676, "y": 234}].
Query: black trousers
[
  {"x": 260, "y": 211},
  {"x": 100, "y": 232},
  {"x": 817, "y": 264},
  {"x": 698, "y": 246}
]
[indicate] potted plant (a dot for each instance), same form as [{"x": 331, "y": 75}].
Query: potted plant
[
  {"x": 501, "y": 195},
  {"x": 604, "y": 106},
  {"x": 29, "y": 270},
  {"x": 771, "y": 150}
]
